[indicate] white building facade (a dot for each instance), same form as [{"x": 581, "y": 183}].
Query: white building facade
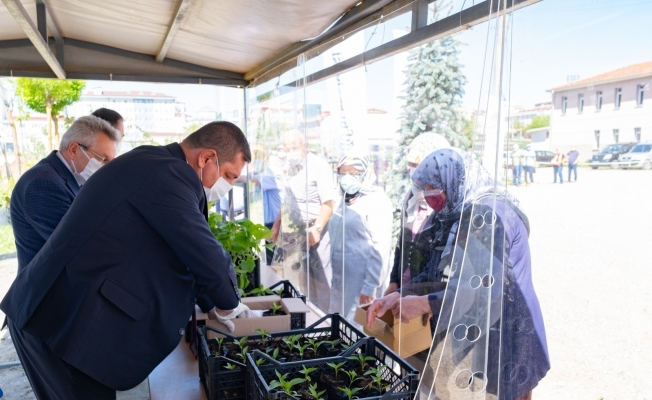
[{"x": 614, "y": 107}]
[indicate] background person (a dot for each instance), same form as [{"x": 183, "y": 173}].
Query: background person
[
  {"x": 361, "y": 235},
  {"x": 112, "y": 117},
  {"x": 461, "y": 188},
  {"x": 558, "y": 165},
  {"x": 573, "y": 158},
  {"x": 132, "y": 255},
  {"x": 45, "y": 192},
  {"x": 529, "y": 163},
  {"x": 517, "y": 162},
  {"x": 310, "y": 200},
  {"x": 410, "y": 246}
]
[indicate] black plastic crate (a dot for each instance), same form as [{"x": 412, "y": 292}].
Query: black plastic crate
[
  {"x": 221, "y": 383},
  {"x": 297, "y": 320},
  {"x": 402, "y": 378}
]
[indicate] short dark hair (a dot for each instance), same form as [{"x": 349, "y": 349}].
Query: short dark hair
[
  {"x": 223, "y": 137},
  {"x": 110, "y": 116}
]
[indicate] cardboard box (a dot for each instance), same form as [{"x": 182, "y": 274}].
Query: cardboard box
[
  {"x": 274, "y": 323},
  {"x": 414, "y": 337}
]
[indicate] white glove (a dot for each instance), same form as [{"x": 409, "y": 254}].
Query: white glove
[{"x": 241, "y": 311}]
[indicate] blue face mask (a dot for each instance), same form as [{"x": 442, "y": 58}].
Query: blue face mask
[{"x": 350, "y": 184}]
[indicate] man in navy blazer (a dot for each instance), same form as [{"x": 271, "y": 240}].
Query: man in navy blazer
[
  {"x": 45, "y": 192},
  {"x": 108, "y": 296}
]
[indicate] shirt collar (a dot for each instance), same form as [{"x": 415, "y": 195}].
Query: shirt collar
[{"x": 63, "y": 160}]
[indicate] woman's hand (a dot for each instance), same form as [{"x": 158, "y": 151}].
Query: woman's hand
[
  {"x": 393, "y": 286},
  {"x": 380, "y": 306},
  {"x": 364, "y": 299},
  {"x": 411, "y": 307}
]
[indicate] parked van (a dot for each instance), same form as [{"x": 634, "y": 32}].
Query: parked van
[
  {"x": 640, "y": 156},
  {"x": 608, "y": 157}
]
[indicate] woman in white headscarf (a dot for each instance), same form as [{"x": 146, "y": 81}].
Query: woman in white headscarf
[{"x": 361, "y": 234}]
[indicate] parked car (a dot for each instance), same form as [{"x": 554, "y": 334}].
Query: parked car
[
  {"x": 640, "y": 156},
  {"x": 544, "y": 155},
  {"x": 608, "y": 157}
]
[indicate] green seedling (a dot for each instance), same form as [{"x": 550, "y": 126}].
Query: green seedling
[
  {"x": 273, "y": 351},
  {"x": 349, "y": 392},
  {"x": 279, "y": 293},
  {"x": 336, "y": 367},
  {"x": 230, "y": 366},
  {"x": 307, "y": 371},
  {"x": 276, "y": 308},
  {"x": 261, "y": 291},
  {"x": 314, "y": 344},
  {"x": 362, "y": 360},
  {"x": 265, "y": 336},
  {"x": 353, "y": 376},
  {"x": 301, "y": 349},
  {"x": 333, "y": 343},
  {"x": 260, "y": 361},
  {"x": 312, "y": 389},
  {"x": 220, "y": 342},
  {"x": 241, "y": 342},
  {"x": 243, "y": 354},
  {"x": 283, "y": 383},
  {"x": 291, "y": 340},
  {"x": 376, "y": 375}
]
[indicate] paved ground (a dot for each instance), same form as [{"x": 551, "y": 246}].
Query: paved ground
[
  {"x": 591, "y": 247},
  {"x": 592, "y": 252}
]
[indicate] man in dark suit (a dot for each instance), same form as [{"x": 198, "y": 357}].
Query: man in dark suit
[
  {"x": 45, "y": 192},
  {"x": 109, "y": 294}
]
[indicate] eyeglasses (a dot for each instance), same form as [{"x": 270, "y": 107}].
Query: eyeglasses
[
  {"x": 355, "y": 173},
  {"x": 103, "y": 160}
]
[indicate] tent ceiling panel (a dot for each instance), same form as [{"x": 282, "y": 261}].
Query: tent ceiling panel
[
  {"x": 9, "y": 28},
  {"x": 215, "y": 41},
  {"x": 238, "y": 35},
  {"x": 135, "y": 25}
]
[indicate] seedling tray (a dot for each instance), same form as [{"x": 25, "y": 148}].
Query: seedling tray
[
  {"x": 400, "y": 379},
  {"x": 221, "y": 383}
]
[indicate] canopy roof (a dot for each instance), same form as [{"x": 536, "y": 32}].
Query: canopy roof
[{"x": 187, "y": 41}]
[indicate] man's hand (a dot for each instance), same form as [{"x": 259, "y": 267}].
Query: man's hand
[
  {"x": 225, "y": 317},
  {"x": 393, "y": 286},
  {"x": 364, "y": 299},
  {"x": 380, "y": 306},
  {"x": 411, "y": 307},
  {"x": 314, "y": 236}
]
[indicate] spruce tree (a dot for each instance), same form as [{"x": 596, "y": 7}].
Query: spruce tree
[{"x": 434, "y": 87}]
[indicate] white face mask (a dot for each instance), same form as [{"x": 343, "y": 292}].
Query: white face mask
[
  {"x": 219, "y": 189},
  {"x": 294, "y": 158},
  {"x": 91, "y": 168}
]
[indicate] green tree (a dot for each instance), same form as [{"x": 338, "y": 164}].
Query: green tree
[
  {"x": 49, "y": 97},
  {"x": 539, "y": 121},
  {"x": 434, "y": 87}
]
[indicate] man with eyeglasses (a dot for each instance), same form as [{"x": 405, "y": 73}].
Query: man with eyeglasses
[
  {"x": 45, "y": 192},
  {"x": 109, "y": 295}
]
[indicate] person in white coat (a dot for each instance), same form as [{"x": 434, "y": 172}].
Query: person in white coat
[{"x": 361, "y": 235}]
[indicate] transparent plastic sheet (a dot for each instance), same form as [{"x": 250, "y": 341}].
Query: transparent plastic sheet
[{"x": 488, "y": 339}]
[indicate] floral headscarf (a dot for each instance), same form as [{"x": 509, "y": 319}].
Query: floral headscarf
[{"x": 463, "y": 180}]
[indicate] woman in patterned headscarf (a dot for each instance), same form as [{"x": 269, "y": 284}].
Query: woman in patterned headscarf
[
  {"x": 480, "y": 247},
  {"x": 361, "y": 229},
  {"x": 414, "y": 241}
]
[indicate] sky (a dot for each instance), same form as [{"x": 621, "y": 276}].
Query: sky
[{"x": 551, "y": 40}]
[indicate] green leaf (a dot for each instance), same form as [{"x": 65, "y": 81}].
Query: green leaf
[{"x": 247, "y": 266}]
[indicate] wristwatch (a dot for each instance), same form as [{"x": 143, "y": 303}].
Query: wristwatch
[{"x": 318, "y": 228}]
